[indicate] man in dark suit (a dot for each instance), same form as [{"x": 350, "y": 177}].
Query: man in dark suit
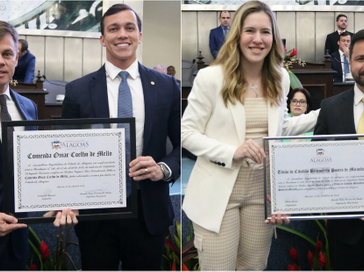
[
  {"x": 341, "y": 114},
  {"x": 217, "y": 35},
  {"x": 338, "y": 60},
  {"x": 331, "y": 39},
  {"x": 24, "y": 71},
  {"x": 13, "y": 236},
  {"x": 137, "y": 243}
]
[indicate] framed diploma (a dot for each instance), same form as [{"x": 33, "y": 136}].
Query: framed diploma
[
  {"x": 315, "y": 179},
  {"x": 81, "y": 164}
]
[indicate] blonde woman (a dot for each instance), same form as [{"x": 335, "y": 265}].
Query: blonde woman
[{"x": 235, "y": 102}]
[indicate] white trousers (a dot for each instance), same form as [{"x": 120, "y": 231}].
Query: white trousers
[{"x": 244, "y": 240}]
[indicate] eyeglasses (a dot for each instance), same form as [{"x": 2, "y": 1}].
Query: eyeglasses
[{"x": 301, "y": 102}]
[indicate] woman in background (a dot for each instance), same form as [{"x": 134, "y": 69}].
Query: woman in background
[
  {"x": 299, "y": 102},
  {"x": 237, "y": 100}
]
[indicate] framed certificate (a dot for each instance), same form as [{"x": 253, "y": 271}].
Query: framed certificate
[
  {"x": 315, "y": 179},
  {"x": 80, "y": 163}
]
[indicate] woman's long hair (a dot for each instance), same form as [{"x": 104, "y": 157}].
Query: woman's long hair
[{"x": 230, "y": 58}]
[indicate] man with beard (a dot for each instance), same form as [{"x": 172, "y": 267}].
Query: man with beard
[
  {"x": 331, "y": 40},
  {"x": 344, "y": 114}
]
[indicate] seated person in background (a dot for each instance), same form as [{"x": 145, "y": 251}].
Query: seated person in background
[
  {"x": 340, "y": 58},
  {"x": 172, "y": 71},
  {"x": 298, "y": 102},
  {"x": 160, "y": 68},
  {"x": 24, "y": 72},
  {"x": 331, "y": 39}
]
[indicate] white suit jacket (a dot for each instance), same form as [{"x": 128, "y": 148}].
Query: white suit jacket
[{"x": 213, "y": 132}]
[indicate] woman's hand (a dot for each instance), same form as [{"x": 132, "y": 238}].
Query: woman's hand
[
  {"x": 276, "y": 219},
  {"x": 66, "y": 218},
  {"x": 250, "y": 149}
]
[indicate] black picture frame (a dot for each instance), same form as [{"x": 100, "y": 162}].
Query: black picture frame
[{"x": 131, "y": 209}]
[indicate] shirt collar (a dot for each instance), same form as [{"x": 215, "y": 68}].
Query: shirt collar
[
  {"x": 339, "y": 32},
  {"x": 228, "y": 27},
  {"x": 358, "y": 95},
  {"x": 7, "y": 93},
  {"x": 112, "y": 71}
]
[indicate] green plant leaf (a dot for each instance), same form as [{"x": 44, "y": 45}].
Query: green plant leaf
[
  {"x": 36, "y": 253},
  {"x": 294, "y": 81}
]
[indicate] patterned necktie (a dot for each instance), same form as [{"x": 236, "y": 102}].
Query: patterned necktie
[
  {"x": 346, "y": 65},
  {"x": 5, "y": 116},
  {"x": 125, "y": 103},
  {"x": 360, "y": 129}
]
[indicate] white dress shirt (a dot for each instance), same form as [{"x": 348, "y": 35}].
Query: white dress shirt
[
  {"x": 342, "y": 60},
  {"x": 135, "y": 84}
]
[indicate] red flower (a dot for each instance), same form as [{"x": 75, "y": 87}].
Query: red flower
[
  {"x": 33, "y": 267},
  {"x": 293, "y": 53},
  {"x": 293, "y": 267},
  {"x": 322, "y": 260},
  {"x": 45, "y": 250},
  {"x": 310, "y": 259},
  {"x": 184, "y": 267},
  {"x": 294, "y": 255},
  {"x": 285, "y": 50},
  {"x": 318, "y": 246},
  {"x": 173, "y": 266}
]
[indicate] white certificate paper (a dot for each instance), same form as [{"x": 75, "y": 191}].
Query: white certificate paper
[
  {"x": 317, "y": 177},
  {"x": 81, "y": 169}
]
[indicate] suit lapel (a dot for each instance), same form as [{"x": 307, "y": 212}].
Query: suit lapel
[
  {"x": 150, "y": 87},
  {"x": 347, "y": 112},
  {"x": 98, "y": 94},
  {"x": 20, "y": 105}
]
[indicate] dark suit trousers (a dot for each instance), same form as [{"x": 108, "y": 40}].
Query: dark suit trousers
[
  {"x": 127, "y": 240},
  {"x": 344, "y": 256},
  {"x": 8, "y": 261}
]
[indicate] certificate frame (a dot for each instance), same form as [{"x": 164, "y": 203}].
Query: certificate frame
[
  {"x": 131, "y": 209},
  {"x": 353, "y": 138}
]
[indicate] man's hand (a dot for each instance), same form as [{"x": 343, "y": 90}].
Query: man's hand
[
  {"x": 8, "y": 224},
  {"x": 145, "y": 168},
  {"x": 346, "y": 52},
  {"x": 66, "y": 218}
]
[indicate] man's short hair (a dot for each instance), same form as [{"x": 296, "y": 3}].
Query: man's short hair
[
  {"x": 24, "y": 45},
  {"x": 6, "y": 28},
  {"x": 343, "y": 34},
  {"x": 340, "y": 15},
  {"x": 358, "y": 36},
  {"x": 116, "y": 9},
  {"x": 224, "y": 11}
]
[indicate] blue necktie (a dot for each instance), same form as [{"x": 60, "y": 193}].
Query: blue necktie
[
  {"x": 225, "y": 30},
  {"x": 125, "y": 103},
  {"x": 125, "y": 109},
  {"x": 346, "y": 65}
]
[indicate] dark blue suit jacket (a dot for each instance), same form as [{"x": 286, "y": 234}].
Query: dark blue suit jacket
[
  {"x": 16, "y": 240},
  {"x": 24, "y": 71},
  {"x": 336, "y": 117},
  {"x": 216, "y": 40},
  {"x": 87, "y": 98},
  {"x": 336, "y": 65}
]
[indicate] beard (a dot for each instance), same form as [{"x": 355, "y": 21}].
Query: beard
[{"x": 358, "y": 77}]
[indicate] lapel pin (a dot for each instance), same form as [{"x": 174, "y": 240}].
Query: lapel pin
[{"x": 152, "y": 82}]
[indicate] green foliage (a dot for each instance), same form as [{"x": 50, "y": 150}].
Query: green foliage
[{"x": 174, "y": 253}]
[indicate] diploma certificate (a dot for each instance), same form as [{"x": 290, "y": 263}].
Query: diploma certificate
[
  {"x": 317, "y": 177},
  {"x": 81, "y": 169}
]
